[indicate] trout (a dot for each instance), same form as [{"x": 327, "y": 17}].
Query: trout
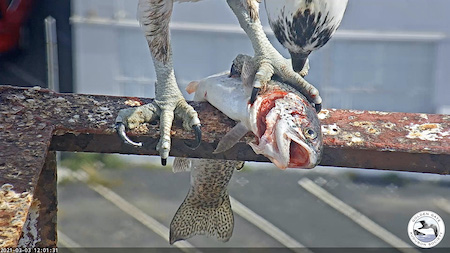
[{"x": 286, "y": 130}]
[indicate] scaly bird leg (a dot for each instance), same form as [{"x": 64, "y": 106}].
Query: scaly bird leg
[
  {"x": 269, "y": 60},
  {"x": 154, "y": 16}
]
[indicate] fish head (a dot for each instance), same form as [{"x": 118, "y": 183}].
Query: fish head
[{"x": 287, "y": 130}]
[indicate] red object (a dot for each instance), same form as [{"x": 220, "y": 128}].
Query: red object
[
  {"x": 267, "y": 104},
  {"x": 13, "y": 13}
]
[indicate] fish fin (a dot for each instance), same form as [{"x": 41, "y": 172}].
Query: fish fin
[
  {"x": 192, "y": 87},
  {"x": 194, "y": 217},
  {"x": 181, "y": 164},
  {"x": 231, "y": 138}
]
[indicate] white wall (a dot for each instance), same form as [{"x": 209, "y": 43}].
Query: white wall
[{"x": 387, "y": 55}]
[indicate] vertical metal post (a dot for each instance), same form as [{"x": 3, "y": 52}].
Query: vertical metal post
[
  {"x": 52, "y": 59},
  {"x": 40, "y": 227},
  {"x": 52, "y": 54}
]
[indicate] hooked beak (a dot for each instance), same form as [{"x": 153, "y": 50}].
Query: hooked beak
[{"x": 298, "y": 60}]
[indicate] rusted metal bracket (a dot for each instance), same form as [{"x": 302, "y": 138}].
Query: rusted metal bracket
[{"x": 34, "y": 122}]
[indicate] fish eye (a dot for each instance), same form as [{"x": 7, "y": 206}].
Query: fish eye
[{"x": 310, "y": 133}]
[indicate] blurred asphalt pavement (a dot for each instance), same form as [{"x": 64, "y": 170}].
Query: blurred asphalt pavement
[{"x": 389, "y": 199}]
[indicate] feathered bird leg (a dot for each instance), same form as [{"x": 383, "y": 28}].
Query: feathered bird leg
[
  {"x": 154, "y": 16},
  {"x": 269, "y": 60}
]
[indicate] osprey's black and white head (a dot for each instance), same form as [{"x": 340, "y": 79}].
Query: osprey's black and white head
[{"x": 303, "y": 26}]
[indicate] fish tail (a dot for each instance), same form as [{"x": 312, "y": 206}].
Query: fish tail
[{"x": 197, "y": 217}]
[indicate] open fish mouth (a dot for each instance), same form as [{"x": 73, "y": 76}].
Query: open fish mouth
[
  {"x": 285, "y": 152},
  {"x": 298, "y": 156},
  {"x": 301, "y": 155}
]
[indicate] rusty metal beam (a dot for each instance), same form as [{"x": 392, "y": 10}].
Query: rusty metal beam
[
  {"x": 39, "y": 230},
  {"x": 386, "y": 140},
  {"x": 360, "y": 139},
  {"x": 35, "y": 121},
  {"x": 46, "y": 195},
  {"x": 24, "y": 142}
]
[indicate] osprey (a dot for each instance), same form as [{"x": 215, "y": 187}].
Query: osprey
[{"x": 300, "y": 25}]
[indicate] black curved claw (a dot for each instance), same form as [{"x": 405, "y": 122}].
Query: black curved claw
[
  {"x": 318, "y": 107},
  {"x": 163, "y": 161},
  {"x": 120, "y": 129},
  {"x": 255, "y": 93},
  {"x": 198, "y": 138}
]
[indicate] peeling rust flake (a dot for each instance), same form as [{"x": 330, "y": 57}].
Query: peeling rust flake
[{"x": 14, "y": 208}]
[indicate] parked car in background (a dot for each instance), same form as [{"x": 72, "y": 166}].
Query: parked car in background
[{"x": 13, "y": 14}]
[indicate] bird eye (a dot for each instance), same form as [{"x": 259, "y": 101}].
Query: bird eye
[{"x": 310, "y": 133}]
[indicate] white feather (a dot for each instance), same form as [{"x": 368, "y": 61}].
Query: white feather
[{"x": 285, "y": 10}]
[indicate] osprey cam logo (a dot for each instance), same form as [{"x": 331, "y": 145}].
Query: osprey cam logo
[{"x": 426, "y": 229}]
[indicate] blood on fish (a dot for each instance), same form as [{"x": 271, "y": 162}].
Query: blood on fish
[
  {"x": 298, "y": 115},
  {"x": 267, "y": 104}
]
